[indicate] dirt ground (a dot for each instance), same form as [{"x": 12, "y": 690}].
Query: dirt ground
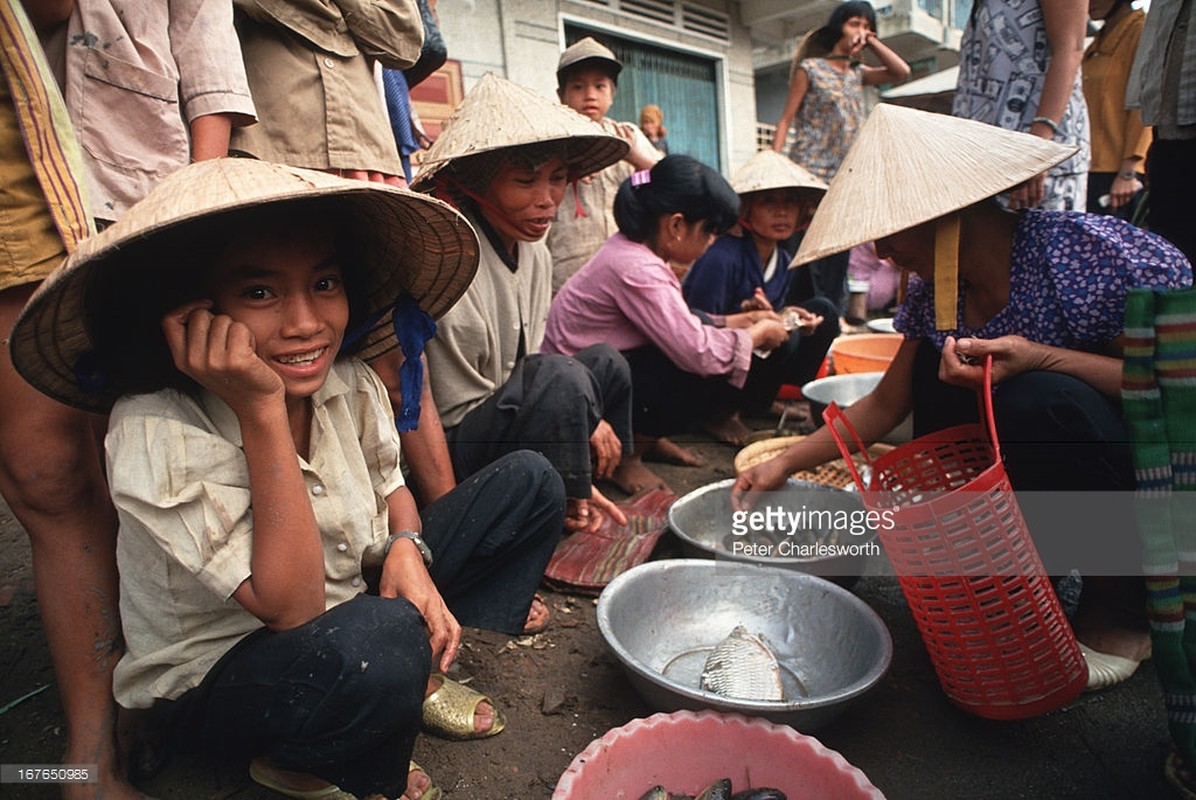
[
  {"x": 562, "y": 689},
  {"x": 559, "y": 689}
]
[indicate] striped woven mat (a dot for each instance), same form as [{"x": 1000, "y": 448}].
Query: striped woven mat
[{"x": 585, "y": 562}]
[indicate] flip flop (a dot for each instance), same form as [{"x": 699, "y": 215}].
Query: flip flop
[
  {"x": 433, "y": 791},
  {"x": 1106, "y": 670},
  {"x": 528, "y": 631},
  {"x": 329, "y": 792},
  {"x": 448, "y": 711}
]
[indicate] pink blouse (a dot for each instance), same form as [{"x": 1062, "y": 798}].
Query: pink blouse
[{"x": 627, "y": 296}]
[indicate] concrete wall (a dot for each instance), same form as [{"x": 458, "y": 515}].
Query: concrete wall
[{"x": 522, "y": 39}]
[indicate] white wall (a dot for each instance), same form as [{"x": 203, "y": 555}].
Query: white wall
[{"x": 521, "y": 40}]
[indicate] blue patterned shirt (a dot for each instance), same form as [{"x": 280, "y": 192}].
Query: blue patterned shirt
[{"x": 1069, "y": 275}]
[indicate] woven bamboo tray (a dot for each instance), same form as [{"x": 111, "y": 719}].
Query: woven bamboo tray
[{"x": 832, "y": 473}]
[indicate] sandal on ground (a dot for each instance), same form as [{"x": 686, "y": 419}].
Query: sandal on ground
[
  {"x": 433, "y": 791},
  {"x": 1178, "y": 776},
  {"x": 1106, "y": 670},
  {"x": 329, "y": 792},
  {"x": 448, "y": 711},
  {"x": 530, "y": 629}
]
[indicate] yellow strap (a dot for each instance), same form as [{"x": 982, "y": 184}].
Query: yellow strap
[{"x": 946, "y": 273}]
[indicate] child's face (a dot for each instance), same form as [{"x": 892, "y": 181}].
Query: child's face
[
  {"x": 527, "y": 199},
  {"x": 289, "y": 291},
  {"x": 589, "y": 91},
  {"x": 774, "y": 213},
  {"x": 854, "y": 30}
]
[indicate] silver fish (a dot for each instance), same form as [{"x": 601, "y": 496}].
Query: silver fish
[{"x": 742, "y": 666}]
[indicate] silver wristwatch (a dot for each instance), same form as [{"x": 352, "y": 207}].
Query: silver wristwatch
[{"x": 424, "y": 551}]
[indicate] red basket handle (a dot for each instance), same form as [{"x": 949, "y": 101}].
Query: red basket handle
[
  {"x": 832, "y": 414},
  {"x": 986, "y": 408}
]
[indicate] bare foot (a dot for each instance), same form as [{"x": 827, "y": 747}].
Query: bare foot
[
  {"x": 537, "y": 615},
  {"x": 483, "y": 715},
  {"x": 730, "y": 430},
  {"x": 667, "y": 451},
  {"x": 632, "y": 476},
  {"x": 106, "y": 786}
]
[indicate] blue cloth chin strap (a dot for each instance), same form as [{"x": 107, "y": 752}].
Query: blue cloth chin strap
[{"x": 413, "y": 327}]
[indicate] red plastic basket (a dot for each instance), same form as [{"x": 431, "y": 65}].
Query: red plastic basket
[{"x": 979, "y": 593}]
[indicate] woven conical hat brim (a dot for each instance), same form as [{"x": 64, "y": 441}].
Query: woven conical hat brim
[
  {"x": 408, "y": 243},
  {"x": 771, "y": 170},
  {"x": 908, "y": 166},
  {"x": 497, "y": 114}
]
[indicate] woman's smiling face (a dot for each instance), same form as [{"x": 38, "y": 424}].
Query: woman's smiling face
[
  {"x": 288, "y": 289},
  {"x": 525, "y": 199}
]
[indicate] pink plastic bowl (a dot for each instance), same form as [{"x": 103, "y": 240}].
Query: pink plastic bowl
[{"x": 685, "y": 751}]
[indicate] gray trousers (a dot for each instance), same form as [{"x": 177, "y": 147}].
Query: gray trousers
[{"x": 550, "y": 404}]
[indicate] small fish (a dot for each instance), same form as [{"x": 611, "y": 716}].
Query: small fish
[
  {"x": 655, "y": 793},
  {"x": 742, "y": 666},
  {"x": 719, "y": 790},
  {"x": 759, "y": 794}
]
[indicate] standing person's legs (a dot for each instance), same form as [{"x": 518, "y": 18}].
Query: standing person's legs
[
  {"x": 52, "y": 478},
  {"x": 1171, "y": 168},
  {"x": 492, "y": 537}
]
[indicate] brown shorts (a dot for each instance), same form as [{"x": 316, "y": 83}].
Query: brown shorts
[{"x": 30, "y": 245}]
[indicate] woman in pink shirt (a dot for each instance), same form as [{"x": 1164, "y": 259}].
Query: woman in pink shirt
[{"x": 628, "y": 295}]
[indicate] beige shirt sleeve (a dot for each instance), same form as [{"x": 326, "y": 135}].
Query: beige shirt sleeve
[{"x": 389, "y": 31}]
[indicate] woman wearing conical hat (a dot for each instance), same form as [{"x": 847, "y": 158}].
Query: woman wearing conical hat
[
  {"x": 1041, "y": 292},
  {"x": 504, "y": 158},
  {"x": 746, "y": 271}
]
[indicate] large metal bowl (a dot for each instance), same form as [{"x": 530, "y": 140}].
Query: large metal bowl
[
  {"x": 662, "y": 618},
  {"x": 705, "y": 523},
  {"x": 843, "y": 390}
]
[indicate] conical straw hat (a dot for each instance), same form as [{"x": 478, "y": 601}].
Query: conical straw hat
[
  {"x": 908, "y": 166},
  {"x": 404, "y": 242},
  {"x": 771, "y": 170},
  {"x": 498, "y": 113}
]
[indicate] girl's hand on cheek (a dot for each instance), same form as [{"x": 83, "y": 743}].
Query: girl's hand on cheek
[{"x": 219, "y": 354}]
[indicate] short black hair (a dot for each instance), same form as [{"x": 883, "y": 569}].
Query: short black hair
[{"x": 677, "y": 184}]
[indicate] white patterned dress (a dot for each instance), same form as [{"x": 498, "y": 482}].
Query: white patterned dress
[{"x": 1003, "y": 62}]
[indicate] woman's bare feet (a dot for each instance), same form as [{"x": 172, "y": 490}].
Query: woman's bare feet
[
  {"x": 632, "y": 476},
  {"x": 537, "y": 615},
  {"x": 667, "y": 451},
  {"x": 729, "y": 429},
  {"x": 483, "y": 715}
]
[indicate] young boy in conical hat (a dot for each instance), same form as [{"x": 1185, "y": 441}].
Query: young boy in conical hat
[
  {"x": 587, "y": 77},
  {"x": 1043, "y": 293},
  {"x": 504, "y": 158},
  {"x": 254, "y": 465},
  {"x": 745, "y": 274}
]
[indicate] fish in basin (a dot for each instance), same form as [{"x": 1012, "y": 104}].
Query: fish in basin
[{"x": 744, "y": 667}]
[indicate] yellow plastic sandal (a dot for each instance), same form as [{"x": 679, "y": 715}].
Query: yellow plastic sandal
[
  {"x": 448, "y": 711},
  {"x": 433, "y": 791}
]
